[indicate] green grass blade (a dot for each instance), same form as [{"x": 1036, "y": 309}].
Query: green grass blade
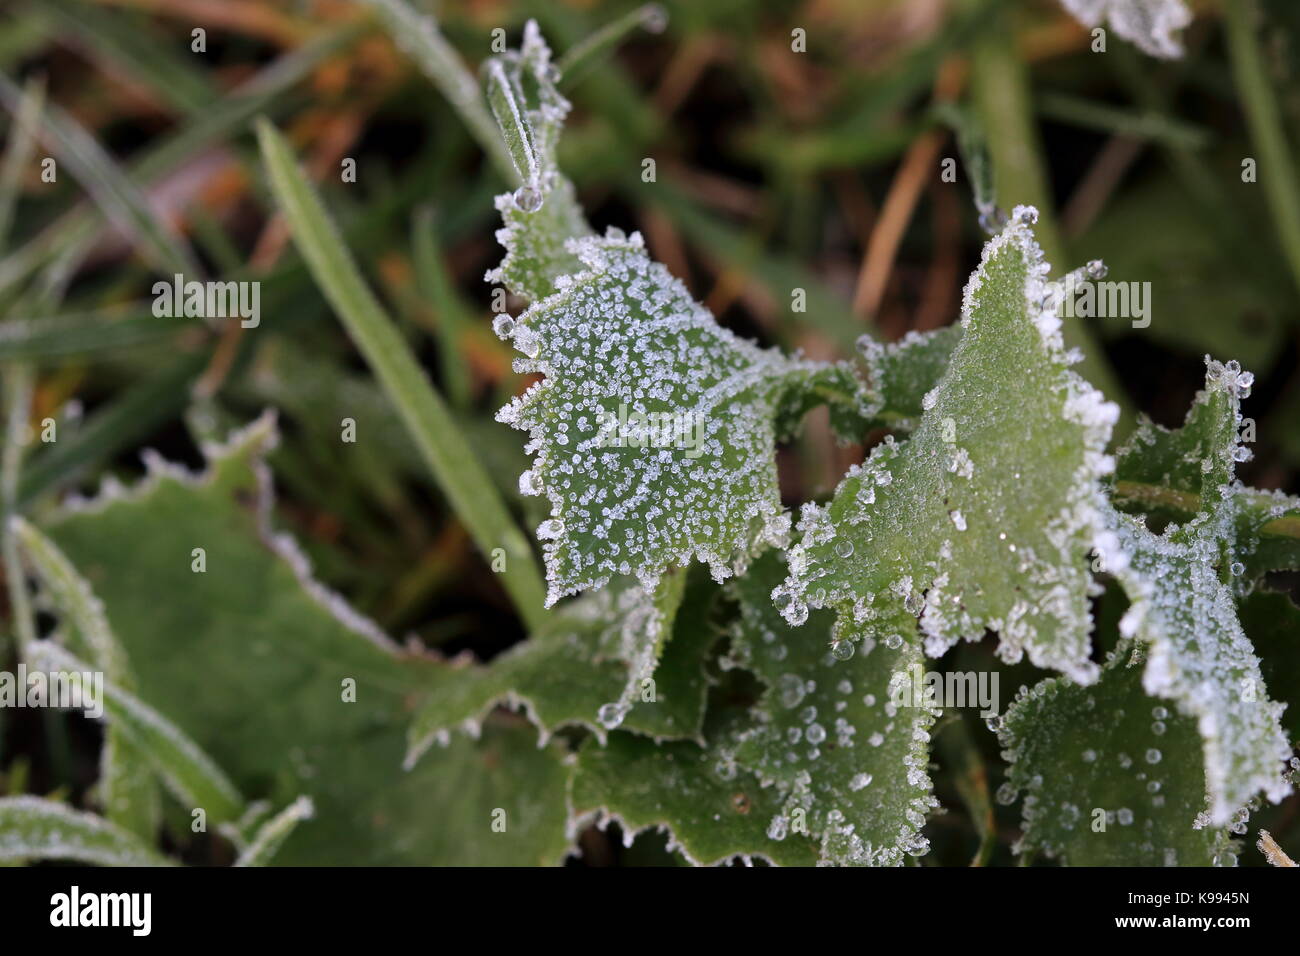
[
  {"x": 418, "y": 36},
  {"x": 118, "y": 39},
  {"x": 435, "y": 284},
  {"x": 266, "y": 92},
  {"x": 86, "y": 334},
  {"x": 183, "y": 766},
  {"x": 449, "y": 456},
  {"x": 18, "y": 152},
  {"x": 1277, "y": 169},
  {"x": 80, "y": 610},
  {"x": 130, "y": 418},
  {"x": 18, "y": 401},
  {"x": 35, "y": 829},
  {"x": 118, "y": 197},
  {"x": 587, "y": 53}
]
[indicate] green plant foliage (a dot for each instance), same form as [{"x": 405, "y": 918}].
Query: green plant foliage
[
  {"x": 577, "y": 669},
  {"x": 724, "y": 642},
  {"x": 1109, "y": 776},
  {"x": 847, "y": 755},
  {"x": 289, "y": 690},
  {"x": 984, "y": 516}
]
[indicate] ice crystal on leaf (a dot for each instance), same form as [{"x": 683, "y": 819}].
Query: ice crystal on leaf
[
  {"x": 1091, "y": 798},
  {"x": 654, "y": 429},
  {"x": 593, "y": 652},
  {"x": 984, "y": 516},
  {"x": 828, "y": 737},
  {"x": 623, "y": 343},
  {"x": 543, "y": 213},
  {"x": 1179, "y": 583},
  {"x": 1181, "y": 775}
]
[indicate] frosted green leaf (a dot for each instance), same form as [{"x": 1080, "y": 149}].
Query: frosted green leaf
[
  {"x": 1267, "y": 532},
  {"x": 264, "y": 687},
  {"x": 1198, "y": 458},
  {"x": 35, "y": 829},
  {"x": 271, "y": 835},
  {"x": 1182, "y": 605},
  {"x": 984, "y": 516},
  {"x": 542, "y": 214},
  {"x": 653, "y": 428},
  {"x": 713, "y": 812},
  {"x": 1109, "y": 776},
  {"x": 854, "y": 408},
  {"x": 585, "y": 658},
  {"x": 1149, "y": 24},
  {"x": 832, "y": 740},
  {"x": 901, "y": 373}
]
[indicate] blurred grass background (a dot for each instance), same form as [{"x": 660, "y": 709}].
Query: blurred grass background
[{"x": 775, "y": 170}]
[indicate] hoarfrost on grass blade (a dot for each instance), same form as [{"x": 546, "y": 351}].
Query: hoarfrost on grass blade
[
  {"x": 32, "y": 828},
  {"x": 984, "y": 516},
  {"x": 1149, "y": 24},
  {"x": 271, "y": 835}
]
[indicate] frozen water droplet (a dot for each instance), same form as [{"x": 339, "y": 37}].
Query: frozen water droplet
[
  {"x": 860, "y": 782},
  {"x": 894, "y": 641},
  {"x": 1096, "y": 269},
  {"x": 1153, "y": 755},
  {"x": 790, "y": 690},
  {"x": 528, "y": 198},
  {"x": 1025, "y": 215},
  {"x": 527, "y": 341},
  {"x": 992, "y": 219},
  {"x": 503, "y": 326},
  {"x": 1125, "y": 816},
  {"x": 844, "y": 548},
  {"x": 611, "y": 715},
  {"x": 530, "y": 483},
  {"x": 796, "y": 613},
  {"x": 842, "y": 650},
  {"x": 1006, "y": 794},
  {"x": 1238, "y": 569}
]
